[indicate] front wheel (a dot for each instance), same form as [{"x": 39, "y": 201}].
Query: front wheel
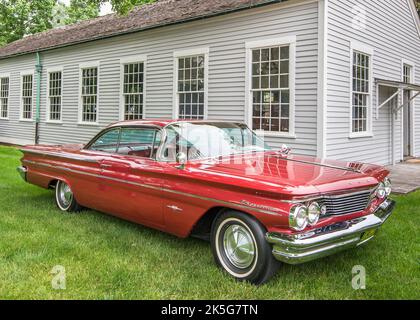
[
  {"x": 65, "y": 199},
  {"x": 239, "y": 247}
]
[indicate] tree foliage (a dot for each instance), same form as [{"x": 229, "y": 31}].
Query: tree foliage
[
  {"x": 21, "y": 17},
  {"x": 123, "y": 6},
  {"x": 80, "y": 10},
  {"x": 418, "y": 6}
]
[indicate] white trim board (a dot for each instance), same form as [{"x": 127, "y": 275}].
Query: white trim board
[
  {"x": 412, "y": 110},
  {"x": 322, "y": 79},
  {"x": 416, "y": 17}
]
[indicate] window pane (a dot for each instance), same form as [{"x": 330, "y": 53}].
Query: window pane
[
  {"x": 138, "y": 142},
  {"x": 108, "y": 142},
  {"x": 55, "y": 95},
  {"x": 191, "y": 87},
  {"x": 270, "y": 72},
  {"x": 361, "y": 91},
  {"x": 27, "y": 91},
  {"x": 133, "y": 90},
  {"x": 4, "y": 97},
  {"x": 89, "y": 94}
]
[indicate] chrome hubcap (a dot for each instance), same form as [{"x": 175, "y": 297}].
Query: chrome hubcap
[
  {"x": 239, "y": 246},
  {"x": 65, "y": 195}
]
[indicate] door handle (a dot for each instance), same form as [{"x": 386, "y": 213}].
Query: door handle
[{"x": 104, "y": 165}]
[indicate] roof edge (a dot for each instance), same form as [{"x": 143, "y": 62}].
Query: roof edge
[
  {"x": 416, "y": 17},
  {"x": 157, "y": 26}
]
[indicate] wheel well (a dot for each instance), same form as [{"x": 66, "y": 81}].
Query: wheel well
[
  {"x": 202, "y": 228},
  {"x": 52, "y": 184}
]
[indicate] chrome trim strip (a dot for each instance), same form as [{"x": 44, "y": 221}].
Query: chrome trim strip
[
  {"x": 153, "y": 187},
  {"x": 57, "y": 155},
  {"x": 318, "y": 164}
]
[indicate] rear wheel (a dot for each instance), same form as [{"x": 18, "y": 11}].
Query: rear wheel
[
  {"x": 240, "y": 248},
  {"x": 65, "y": 199}
]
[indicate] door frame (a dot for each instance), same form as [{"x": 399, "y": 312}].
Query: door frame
[{"x": 411, "y": 110}]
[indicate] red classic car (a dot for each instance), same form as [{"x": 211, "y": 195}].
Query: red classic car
[{"x": 218, "y": 181}]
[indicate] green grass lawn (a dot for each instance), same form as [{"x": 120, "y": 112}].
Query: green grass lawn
[{"x": 106, "y": 258}]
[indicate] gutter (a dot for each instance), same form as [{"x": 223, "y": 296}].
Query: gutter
[
  {"x": 165, "y": 24},
  {"x": 38, "y": 68}
]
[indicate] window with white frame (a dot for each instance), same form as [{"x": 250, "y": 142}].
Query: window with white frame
[
  {"x": 133, "y": 91},
  {"x": 4, "y": 97},
  {"x": 361, "y": 91},
  {"x": 89, "y": 94},
  {"x": 270, "y": 89},
  {"x": 191, "y": 87},
  {"x": 27, "y": 96},
  {"x": 54, "y": 95},
  {"x": 407, "y": 69}
]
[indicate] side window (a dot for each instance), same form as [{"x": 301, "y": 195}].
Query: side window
[
  {"x": 139, "y": 142},
  {"x": 108, "y": 142}
]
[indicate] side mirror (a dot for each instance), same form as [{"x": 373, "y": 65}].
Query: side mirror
[{"x": 181, "y": 159}]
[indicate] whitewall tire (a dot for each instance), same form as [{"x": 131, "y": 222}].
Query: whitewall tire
[
  {"x": 239, "y": 247},
  {"x": 65, "y": 199}
]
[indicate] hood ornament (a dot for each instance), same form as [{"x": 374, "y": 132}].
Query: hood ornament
[{"x": 285, "y": 150}]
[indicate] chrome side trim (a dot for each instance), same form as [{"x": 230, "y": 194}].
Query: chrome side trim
[
  {"x": 175, "y": 208},
  {"x": 240, "y": 206},
  {"x": 57, "y": 155}
]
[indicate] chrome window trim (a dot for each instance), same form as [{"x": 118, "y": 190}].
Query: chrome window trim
[{"x": 121, "y": 127}]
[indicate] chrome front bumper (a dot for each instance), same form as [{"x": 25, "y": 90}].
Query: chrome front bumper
[
  {"x": 300, "y": 248},
  {"x": 22, "y": 171}
]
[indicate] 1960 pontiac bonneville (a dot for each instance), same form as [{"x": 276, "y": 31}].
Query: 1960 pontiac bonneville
[{"x": 219, "y": 181}]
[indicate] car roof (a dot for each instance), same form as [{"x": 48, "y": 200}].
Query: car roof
[
  {"x": 129, "y": 123},
  {"x": 159, "y": 122}
]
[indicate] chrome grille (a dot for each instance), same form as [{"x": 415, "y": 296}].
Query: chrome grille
[{"x": 346, "y": 203}]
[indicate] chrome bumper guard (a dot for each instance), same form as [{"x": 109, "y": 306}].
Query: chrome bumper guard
[
  {"x": 22, "y": 171},
  {"x": 300, "y": 248}
]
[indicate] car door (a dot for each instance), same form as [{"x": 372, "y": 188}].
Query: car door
[
  {"x": 88, "y": 184},
  {"x": 132, "y": 178}
]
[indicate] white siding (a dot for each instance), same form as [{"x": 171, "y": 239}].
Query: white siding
[
  {"x": 391, "y": 31},
  {"x": 225, "y": 36}
]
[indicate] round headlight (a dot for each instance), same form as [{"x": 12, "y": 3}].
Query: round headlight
[
  {"x": 298, "y": 218},
  {"x": 381, "y": 191},
  {"x": 314, "y": 211},
  {"x": 388, "y": 186}
]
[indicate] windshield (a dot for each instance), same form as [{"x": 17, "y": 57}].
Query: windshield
[{"x": 209, "y": 140}]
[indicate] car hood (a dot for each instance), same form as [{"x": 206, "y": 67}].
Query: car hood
[{"x": 294, "y": 174}]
